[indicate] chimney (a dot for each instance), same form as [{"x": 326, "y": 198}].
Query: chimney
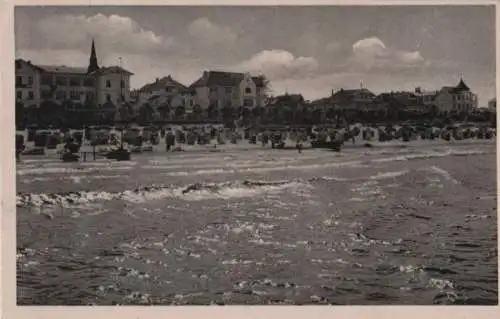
[{"x": 157, "y": 80}]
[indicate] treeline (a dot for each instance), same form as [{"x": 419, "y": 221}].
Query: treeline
[{"x": 69, "y": 115}]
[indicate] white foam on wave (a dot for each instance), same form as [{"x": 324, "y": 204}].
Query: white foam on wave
[
  {"x": 449, "y": 152},
  {"x": 443, "y": 173},
  {"x": 228, "y": 191},
  {"x": 388, "y": 175}
]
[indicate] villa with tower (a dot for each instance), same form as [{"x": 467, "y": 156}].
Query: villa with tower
[{"x": 92, "y": 85}]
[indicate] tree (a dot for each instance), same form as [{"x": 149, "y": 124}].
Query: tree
[
  {"x": 146, "y": 113},
  {"x": 197, "y": 112},
  {"x": 165, "y": 109},
  {"x": 227, "y": 114},
  {"x": 180, "y": 111}
]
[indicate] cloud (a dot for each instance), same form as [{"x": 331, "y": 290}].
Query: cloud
[
  {"x": 207, "y": 32},
  {"x": 373, "y": 53},
  {"x": 114, "y": 31},
  {"x": 280, "y": 64}
]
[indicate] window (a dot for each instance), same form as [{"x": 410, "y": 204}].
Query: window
[
  {"x": 19, "y": 80},
  {"x": 169, "y": 89},
  {"x": 122, "y": 84},
  {"x": 247, "y": 102},
  {"x": 46, "y": 79},
  {"x": 61, "y": 80},
  {"x": 30, "y": 80},
  {"x": 213, "y": 90},
  {"x": 248, "y": 90},
  {"x": 18, "y": 65},
  {"x": 89, "y": 97},
  {"x": 228, "y": 90},
  {"x": 108, "y": 83},
  {"x": 74, "y": 95},
  {"x": 31, "y": 95},
  {"x": 108, "y": 98},
  {"x": 19, "y": 95}
]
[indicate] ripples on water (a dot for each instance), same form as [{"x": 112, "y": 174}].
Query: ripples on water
[{"x": 386, "y": 227}]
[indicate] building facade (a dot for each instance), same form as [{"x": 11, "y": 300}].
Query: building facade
[
  {"x": 456, "y": 99},
  {"x": 36, "y": 84},
  {"x": 166, "y": 91},
  {"x": 228, "y": 89}
]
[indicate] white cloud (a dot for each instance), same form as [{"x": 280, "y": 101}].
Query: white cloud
[
  {"x": 280, "y": 64},
  {"x": 113, "y": 31},
  {"x": 373, "y": 53},
  {"x": 207, "y": 32}
]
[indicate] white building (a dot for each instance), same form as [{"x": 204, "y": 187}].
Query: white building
[
  {"x": 166, "y": 91},
  {"x": 36, "y": 84}
]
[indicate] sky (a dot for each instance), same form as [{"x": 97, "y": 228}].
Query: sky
[{"x": 309, "y": 50}]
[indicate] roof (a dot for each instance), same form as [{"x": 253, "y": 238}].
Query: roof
[
  {"x": 351, "y": 94},
  {"x": 28, "y": 62},
  {"x": 111, "y": 69},
  {"x": 63, "y": 69},
  {"x": 461, "y": 87},
  {"x": 162, "y": 83},
  {"x": 222, "y": 78}
]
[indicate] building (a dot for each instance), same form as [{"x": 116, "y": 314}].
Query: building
[
  {"x": 36, "y": 84},
  {"x": 404, "y": 101},
  {"x": 456, "y": 99},
  {"x": 166, "y": 91},
  {"x": 222, "y": 89},
  {"x": 355, "y": 100}
]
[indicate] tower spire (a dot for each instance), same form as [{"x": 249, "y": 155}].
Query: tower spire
[{"x": 93, "y": 65}]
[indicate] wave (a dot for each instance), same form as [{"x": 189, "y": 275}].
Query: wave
[{"x": 196, "y": 191}]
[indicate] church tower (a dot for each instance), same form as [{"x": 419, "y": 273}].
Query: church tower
[{"x": 93, "y": 66}]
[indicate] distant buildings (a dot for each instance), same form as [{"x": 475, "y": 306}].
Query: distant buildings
[
  {"x": 38, "y": 84},
  {"x": 227, "y": 89}
]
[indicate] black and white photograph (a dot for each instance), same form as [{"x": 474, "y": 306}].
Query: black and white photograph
[{"x": 255, "y": 155}]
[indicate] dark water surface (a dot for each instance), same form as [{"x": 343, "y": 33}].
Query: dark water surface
[{"x": 413, "y": 225}]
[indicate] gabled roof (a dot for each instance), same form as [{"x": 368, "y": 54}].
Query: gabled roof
[
  {"x": 111, "y": 69},
  {"x": 63, "y": 69},
  {"x": 462, "y": 86},
  {"x": 162, "y": 83},
  {"x": 351, "y": 94},
  {"x": 221, "y": 78},
  {"x": 29, "y": 63}
]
